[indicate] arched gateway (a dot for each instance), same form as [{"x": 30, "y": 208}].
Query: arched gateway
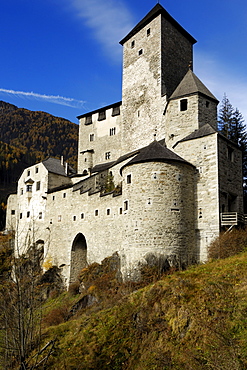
[{"x": 78, "y": 256}]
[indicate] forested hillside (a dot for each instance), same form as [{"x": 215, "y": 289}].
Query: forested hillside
[{"x": 27, "y": 137}]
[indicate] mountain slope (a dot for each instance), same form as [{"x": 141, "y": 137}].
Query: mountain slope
[{"x": 27, "y": 137}]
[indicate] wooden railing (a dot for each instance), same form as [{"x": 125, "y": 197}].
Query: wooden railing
[{"x": 232, "y": 218}]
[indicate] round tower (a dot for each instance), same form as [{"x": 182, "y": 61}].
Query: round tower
[{"x": 158, "y": 191}]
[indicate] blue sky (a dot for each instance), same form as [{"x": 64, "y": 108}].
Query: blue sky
[{"x": 64, "y": 57}]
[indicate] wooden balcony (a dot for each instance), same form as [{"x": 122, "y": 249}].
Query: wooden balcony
[{"x": 232, "y": 219}]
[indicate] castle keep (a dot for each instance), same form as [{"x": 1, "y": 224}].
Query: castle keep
[{"x": 154, "y": 176}]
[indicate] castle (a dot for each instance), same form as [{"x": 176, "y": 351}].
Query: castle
[{"x": 154, "y": 176}]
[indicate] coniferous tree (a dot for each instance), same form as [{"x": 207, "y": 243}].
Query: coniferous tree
[
  {"x": 225, "y": 117},
  {"x": 231, "y": 124}
]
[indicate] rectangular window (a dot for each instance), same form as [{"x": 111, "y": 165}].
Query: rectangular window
[
  {"x": 102, "y": 115},
  {"x": 64, "y": 195},
  {"x": 13, "y": 212},
  {"x": 28, "y": 172},
  {"x": 126, "y": 205},
  {"x": 107, "y": 155},
  {"x": 91, "y": 137},
  {"x": 40, "y": 215},
  {"x": 38, "y": 185},
  {"x": 116, "y": 111},
  {"x": 128, "y": 179},
  {"x": 108, "y": 211},
  {"x": 120, "y": 210},
  {"x": 183, "y": 105},
  {"x": 74, "y": 218},
  {"x": 82, "y": 215},
  {"x": 112, "y": 131},
  {"x": 148, "y": 32},
  {"x": 20, "y": 215},
  {"x": 29, "y": 188},
  {"x": 96, "y": 212},
  {"x": 59, "y": 218},
  {"x": 140, "y": 52},
  {"x": 53, "y": 197},
  {"x": 36, "y": 169},
  {"x": 88, "y": 120},
  {"x": 132, "y": 44},
  {"x": 28, "y": 214}
]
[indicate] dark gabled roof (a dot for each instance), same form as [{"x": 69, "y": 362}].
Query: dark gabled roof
[
  {"x": 157, "y": 10},
  {"x": 54, "y": 165},
  {"x": 100, "y": 109},
  {"x": 102, "y": 167},
  {"x": 205, "y": 130},
  {"x": 190, "y": 85},
  {"x": 155, "y": 152}
]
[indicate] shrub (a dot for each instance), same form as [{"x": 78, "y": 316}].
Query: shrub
[
  {"x": 228, "y": 244},
  {"x": 56, "y": 316}
]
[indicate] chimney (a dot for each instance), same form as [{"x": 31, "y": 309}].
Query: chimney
[
  {"x": 66, "y": 168},
  {"x": 62, "y": 163}
]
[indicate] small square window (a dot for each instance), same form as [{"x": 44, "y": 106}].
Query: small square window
[
  {"x": 140, "y": 52},
  {"x": 107, "y": 155},
  {"x": 13, "y": 212},
  {"x": 112, "y": 131},
  {"x": 29, "y": 188},
  {"x": 132, "y": 44},
  {"x": 183, "y": 105}
]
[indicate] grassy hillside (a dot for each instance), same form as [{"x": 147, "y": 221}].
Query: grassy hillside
[{"x": 196, "y": 319}]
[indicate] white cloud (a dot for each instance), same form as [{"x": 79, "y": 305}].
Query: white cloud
[
  {"x": 221, "y": 78},
  {"x": 55, "y": 99},
  {"x": 110, "y": 21}
]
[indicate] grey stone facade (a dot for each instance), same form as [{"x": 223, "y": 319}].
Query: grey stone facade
[{"x": 153, "y": 176}]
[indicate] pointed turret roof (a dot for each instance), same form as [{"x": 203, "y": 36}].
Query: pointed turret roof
[
  {"x": 155, "y": 152},
  {"x": 157, "y": 10},
  {"x": 190, "y": 85}
]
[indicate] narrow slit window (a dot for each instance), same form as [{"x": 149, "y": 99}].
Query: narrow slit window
[
  {"x": 126, "y": 205},
  {"x": 128, "y": 179},
  {"x": 148, "y": 32},
  {"x": 91, "y": 137},
  {"x": 108, "y": 211},
  {"x": 132, "y": 44},
  {"x": 140, "y": 52}
]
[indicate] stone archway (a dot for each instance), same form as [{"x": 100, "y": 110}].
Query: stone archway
[{"x": 78, "y": 256}]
